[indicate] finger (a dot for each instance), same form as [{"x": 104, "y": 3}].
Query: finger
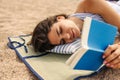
[
  {"x": 109, "y": 50},
  {"x": 119, "y": 43},
  {"x": 117, "y": 60},
  {"x": 113, "y": 56},
  {"x": 116, "y": 66}
]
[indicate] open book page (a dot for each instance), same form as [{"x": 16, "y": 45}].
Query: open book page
[
  {"x": 85, "y": 32},
  {"x": 72, "y": 61}
]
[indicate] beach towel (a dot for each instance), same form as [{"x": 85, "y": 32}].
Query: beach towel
[{"x": 46, "y": 66}]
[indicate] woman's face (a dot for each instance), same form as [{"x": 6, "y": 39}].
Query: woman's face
[{"x": 63, "y": 31}]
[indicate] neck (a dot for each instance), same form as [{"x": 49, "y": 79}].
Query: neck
[{"x": 77, "y": 21}]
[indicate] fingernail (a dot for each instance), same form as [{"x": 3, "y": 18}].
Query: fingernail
[
  {"x": 111, "y": 65},
  {"x": 108, "y": 64},
  {"x": 103, "y": 56},
  {"x": 105, "y": 62}
]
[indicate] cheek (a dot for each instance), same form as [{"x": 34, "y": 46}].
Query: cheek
[
  {"x": 67, "y": 25},
  {"x": 70, "y": 24},
  {"x": 66, "y": 28}
]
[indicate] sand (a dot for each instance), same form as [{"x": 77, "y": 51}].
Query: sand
[{"x": 20, "y": 17}]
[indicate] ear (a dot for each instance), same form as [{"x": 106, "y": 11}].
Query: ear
[{"x": 59, "y": 18}]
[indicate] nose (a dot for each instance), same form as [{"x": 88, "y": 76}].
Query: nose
[{"x": 66, "y": 36}]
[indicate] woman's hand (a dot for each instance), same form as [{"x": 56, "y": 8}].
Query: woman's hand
[{"x": 112, "y": 56}]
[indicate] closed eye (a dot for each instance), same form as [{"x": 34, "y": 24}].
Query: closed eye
[{"x": 60, "y": 30}]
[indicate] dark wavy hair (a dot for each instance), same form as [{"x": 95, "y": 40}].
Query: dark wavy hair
[{"x": 40, "y": 41}]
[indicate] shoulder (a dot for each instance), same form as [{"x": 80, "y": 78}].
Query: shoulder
[
  {"x": 84, "y": 5},
  {"x": 89, "y": 6}
]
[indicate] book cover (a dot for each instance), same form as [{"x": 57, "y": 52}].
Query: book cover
[{"x": 95, "y": 38}]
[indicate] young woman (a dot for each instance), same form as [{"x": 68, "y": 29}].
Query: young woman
[{"x": 61, "y": 29}]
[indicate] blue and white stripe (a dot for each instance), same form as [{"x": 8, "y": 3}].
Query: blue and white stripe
[{"x": 67, "y": 48}]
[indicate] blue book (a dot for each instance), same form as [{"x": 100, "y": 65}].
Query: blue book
[{"x": 95, "y": 38}]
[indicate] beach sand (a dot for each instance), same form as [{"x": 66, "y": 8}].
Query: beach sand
[{"x": 20, "y": 17}]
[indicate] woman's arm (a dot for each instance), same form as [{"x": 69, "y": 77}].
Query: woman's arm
[{"x": 102, "y": 8}]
